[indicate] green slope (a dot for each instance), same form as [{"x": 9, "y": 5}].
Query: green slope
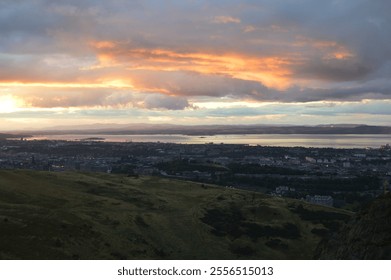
[
  {"x": 100, "y": 216},
  {"x": 366, "y": 236}
]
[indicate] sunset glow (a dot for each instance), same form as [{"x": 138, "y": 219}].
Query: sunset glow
[
  {"x": 8, "y": 104},
  {"x": 266, "y": 62}
]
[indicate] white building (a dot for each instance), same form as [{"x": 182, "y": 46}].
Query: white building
[{"x": 325, "y": 200}]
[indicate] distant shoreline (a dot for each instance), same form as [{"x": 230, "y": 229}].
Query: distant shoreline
[
  {"x": 208, "y": 130},
  {"x": 99, "y": 133},
  {"x": 282, "y": 140},
  {"x": 93, "y": 139}
]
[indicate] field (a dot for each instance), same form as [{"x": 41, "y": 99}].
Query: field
[{"x": 46, "y": 215}]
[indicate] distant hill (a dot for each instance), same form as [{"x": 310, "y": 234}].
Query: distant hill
[
  {"x": 366, "y": 236},
  {"x": 116, "y": 129},
  {"x": 47, "y": 215},
  {"x": 9, "y": 136}
]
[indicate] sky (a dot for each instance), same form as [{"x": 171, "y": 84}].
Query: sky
[{"x": 296, "y": 62}]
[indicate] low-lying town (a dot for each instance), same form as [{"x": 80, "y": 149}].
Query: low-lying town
[{"x": 328, "y": 176}]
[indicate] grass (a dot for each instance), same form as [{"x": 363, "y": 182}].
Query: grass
[{"x": 69, "y": 215}]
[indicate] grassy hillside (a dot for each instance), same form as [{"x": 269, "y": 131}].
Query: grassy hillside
[
  {"x": 366, "y": 236},
  {"x": 100, "y": 216}
]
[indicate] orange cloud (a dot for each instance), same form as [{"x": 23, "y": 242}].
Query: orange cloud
[
  {"x": 327, "y": 49},
  {"x": 272, "y": 71},
  {"x": 102, "y": 44}
]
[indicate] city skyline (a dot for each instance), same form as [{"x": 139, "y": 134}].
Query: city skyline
[{"x": 194, "y": 62}]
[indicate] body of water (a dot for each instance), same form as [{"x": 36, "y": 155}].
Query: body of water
[{"x": 287, "y": 140}]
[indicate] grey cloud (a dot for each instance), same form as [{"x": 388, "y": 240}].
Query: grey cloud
[
  {"x": 194, "y": 84},
  {"x": 52, "y": 98},
  {"x": 31, "y": 68},
  {"x": 333, "y": 70},
  {"x": 241, "y": 111},
  {"x": 372, "y": 109},
  {"x": 380, "y": 108},
  {"x": 363, "y": 26},
  {"x": 355, "y": 93},
  {"x": 107, "y": 98},
  {"x": 158, "y": 101}
]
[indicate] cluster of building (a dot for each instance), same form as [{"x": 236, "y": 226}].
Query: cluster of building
[{"x": 204, "y": 162}]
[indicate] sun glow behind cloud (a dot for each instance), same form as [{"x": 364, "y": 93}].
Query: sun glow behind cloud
[
  {"x": 8, "y": 104},
  {"x": 243, "y": 61},
  {"x": 272, "y": 71}
]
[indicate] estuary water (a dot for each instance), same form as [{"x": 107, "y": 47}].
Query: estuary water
[{"x": 286, "y": 140}]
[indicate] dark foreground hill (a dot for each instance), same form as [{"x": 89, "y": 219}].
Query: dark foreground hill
[
  {"x": 366, "y": 236},
  {"x": 100, "y": 216}
]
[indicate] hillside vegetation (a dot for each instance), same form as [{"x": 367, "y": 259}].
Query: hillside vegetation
[
  {"x": 366, "y": 236},
  {"x": 47, "y": 215}
]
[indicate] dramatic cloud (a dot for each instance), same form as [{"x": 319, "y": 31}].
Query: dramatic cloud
[
  {"x": 168, "y": 55},
  {"x": 75, "y": 97}
]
